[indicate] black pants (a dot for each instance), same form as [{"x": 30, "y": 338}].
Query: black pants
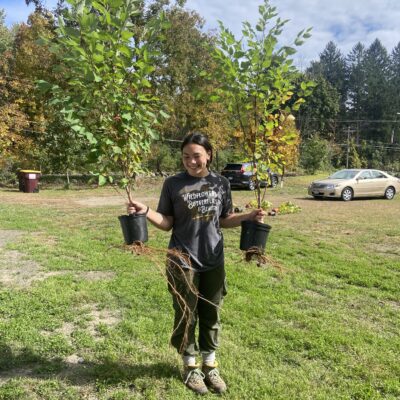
[{"x": 191, "y": 308}]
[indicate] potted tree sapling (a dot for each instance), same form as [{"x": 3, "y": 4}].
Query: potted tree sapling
[
  {"x": 105, "y": 93},
  {"x": 257, "y": 84}
]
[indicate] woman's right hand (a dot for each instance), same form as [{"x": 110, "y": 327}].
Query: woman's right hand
[{"x": 136, "y": 207}]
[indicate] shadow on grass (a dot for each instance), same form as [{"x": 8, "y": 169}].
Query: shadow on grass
[{"x": 28, "y": 364}]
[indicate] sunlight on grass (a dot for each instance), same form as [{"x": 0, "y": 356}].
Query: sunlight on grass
[{"x": 81, "y": 317}]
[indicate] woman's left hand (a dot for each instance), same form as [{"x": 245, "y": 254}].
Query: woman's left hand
[{"x": 257, "y": 215}]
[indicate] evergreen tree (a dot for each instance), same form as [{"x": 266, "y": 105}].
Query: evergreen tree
[
  {"x": 356, "y": 88},
  {"x": 394, "y": 83},
  {"x": 332, "y": 67},
  {"x": 318, "y": 114},
  {"x": 356, "y": 78},
  {"x": 377, "y": 102}
]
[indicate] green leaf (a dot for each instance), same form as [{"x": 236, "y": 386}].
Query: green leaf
[
  {"x": 126, "y": 35},
  {"x": 102, "y": 180},
  {"x": 43, "y": 86},
  {"x": 77, "y": 128},
  {"x": 116, "y": 3},
  {"x": 145, "y": 83},
  {"x": 127, "y": 116},
  {"x": 97, "y": 78},
  {"x": 214, "y": 98},
  {"x": 98, "y": 58},
  {"x": 89, "y": 136},
  {"x": 117, "y": 150},
  {"x": 124, "y": 182},
  {"x": 164, "y": 114},
  {"x": 124, "y": 50}
]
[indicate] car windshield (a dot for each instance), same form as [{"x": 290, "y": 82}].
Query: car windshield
[
  {"x": 233, "y": 167},
  {"x": 344, "y": 174}
]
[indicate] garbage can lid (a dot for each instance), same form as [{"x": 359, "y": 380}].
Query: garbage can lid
[{"x": 30, "y": 171}]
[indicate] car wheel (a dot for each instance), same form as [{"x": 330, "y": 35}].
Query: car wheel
[
  {"x": 274, "y": 181},
  {"x": 252, "y": 185},
  {"x": 390, "y": 192},
  {"x": 347, "y": 194}
]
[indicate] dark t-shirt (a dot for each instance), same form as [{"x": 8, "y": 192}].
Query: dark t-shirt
[{"x": 196, "y": 204}]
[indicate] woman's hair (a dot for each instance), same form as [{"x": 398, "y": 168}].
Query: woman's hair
[{"x": 201, "y": 140}]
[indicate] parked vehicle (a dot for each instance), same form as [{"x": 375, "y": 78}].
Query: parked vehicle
[
  {"x": 350, "y": 183},
  {"x": 242, "y": 175}
]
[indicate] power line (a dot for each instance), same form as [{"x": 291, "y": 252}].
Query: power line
[
  {"x": 384, "y": 146},
  {"x": 347, "y": 121}
]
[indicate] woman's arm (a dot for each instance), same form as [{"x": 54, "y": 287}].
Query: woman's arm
[
  {"x": 163, "y": 222},
  {"x": 233, "y": 220}
]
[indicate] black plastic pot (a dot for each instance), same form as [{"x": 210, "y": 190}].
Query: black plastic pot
[
  {"x": 134, "y": 228},
  {"x": 254, "y": 235}
]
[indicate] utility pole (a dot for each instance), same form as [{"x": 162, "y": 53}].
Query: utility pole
[
  {"x": 395, "y": 121},
  {"x": 349, "y": 131}
]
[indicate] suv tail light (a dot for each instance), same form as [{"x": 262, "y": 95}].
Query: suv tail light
[{"x": 242, "y": 170}]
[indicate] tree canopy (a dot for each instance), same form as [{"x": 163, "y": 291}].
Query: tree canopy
[{"x": 90, "y": 74}]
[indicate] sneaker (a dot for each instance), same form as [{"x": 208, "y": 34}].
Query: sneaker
[
  {"x": 193, "y": 378},
  {"x": 212, "y": 378}
]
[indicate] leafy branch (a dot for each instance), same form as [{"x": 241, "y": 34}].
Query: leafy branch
[{"x": 106, "y": 95}]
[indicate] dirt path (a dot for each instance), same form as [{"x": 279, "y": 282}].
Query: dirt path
[
  {"x": 70, "y": 201},
  {"x": 17, "y": 271}
]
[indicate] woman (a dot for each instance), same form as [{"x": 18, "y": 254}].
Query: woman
[{"x": 195, "y": 204}]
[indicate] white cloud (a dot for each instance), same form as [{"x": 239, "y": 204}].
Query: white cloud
[{"x": 346, "y": 22}]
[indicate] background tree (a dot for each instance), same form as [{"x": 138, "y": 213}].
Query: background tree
[
  {"x": 332, "y": 67},
  {"x": 356, "y": 85},
  {"x": 179, "y": 76},
  {"x": 376, "y": 66},
  {"x": 32, "y": 62},
  {"x": 394, "y": 84},
  {"x": 319, "y": 113},
  {"x": 58, "y": 148},
  {"x": 315, "y": 154},
  {"x": 13, "y": 94},
  {"x": 6, "y": 35},
  {"x": 289, "y": 150}
]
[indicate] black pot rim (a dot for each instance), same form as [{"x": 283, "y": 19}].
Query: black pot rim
[
  {"x": 256, "y": 223},
  {"x": 132, "y": 216}
]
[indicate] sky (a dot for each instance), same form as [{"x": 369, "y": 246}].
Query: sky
[{"x": 345, "y": 22}]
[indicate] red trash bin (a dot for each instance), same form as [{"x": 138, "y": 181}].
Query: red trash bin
[{"x": 29, "y": 180}]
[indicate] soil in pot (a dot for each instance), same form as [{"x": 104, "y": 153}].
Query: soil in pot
[{"x": 134, "y": 228}]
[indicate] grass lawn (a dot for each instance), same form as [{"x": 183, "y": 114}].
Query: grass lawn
[{"x": 82, "y": 318}]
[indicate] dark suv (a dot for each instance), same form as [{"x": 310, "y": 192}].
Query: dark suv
[{"x": 241, "y": 175}]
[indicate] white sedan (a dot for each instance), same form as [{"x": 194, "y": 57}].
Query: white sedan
[{"x": 350, "y": 183}]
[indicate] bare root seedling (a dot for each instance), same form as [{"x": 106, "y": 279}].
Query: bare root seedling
[
  {"x": 178, "y": 277},
  {"x": 261, "y": 258}
]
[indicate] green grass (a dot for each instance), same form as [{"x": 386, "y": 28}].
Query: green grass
[{"x": 324, "y": 327}]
